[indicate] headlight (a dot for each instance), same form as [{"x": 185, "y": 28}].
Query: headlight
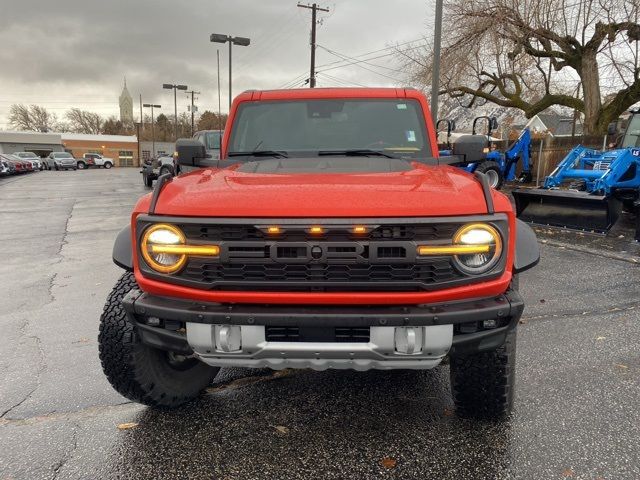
[
  {"x": 476, "y": 248},
  {"x": 164, "y": 248},
  {"x": 484, "y": 237}
]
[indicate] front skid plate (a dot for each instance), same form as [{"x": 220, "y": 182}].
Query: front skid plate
[{"x": 378, "y": 353}]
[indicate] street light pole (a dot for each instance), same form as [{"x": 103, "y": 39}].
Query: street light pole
[
  {"x": 435, "y": 70},
  {"x": 153, "y": 134},
  {"x": 175, "y": 88},
  {"x": 241, "y": 41}
]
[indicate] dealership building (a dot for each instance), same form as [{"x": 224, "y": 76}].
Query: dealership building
[
  {"x": 122, "y": 149},
  {"x": 40, "y": 143}
]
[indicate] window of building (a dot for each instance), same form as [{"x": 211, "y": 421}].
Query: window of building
[
  {"x": 126, "y": 158},
  {"x": 146, "y": 154}
]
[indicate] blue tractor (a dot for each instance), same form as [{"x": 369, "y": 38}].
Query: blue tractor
[
  {"x": 474, "y": 153},
  {"x": 589, "y": 188}
]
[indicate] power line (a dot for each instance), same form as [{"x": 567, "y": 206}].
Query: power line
[{"x": 359, "y": 64}]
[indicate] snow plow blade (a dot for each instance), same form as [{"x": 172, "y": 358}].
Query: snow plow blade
[{"x": 567, "y": 208}]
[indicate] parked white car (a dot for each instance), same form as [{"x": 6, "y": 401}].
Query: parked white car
[
  {"x": 94, "y": 160},
  {"x": 36, "y": 162}
]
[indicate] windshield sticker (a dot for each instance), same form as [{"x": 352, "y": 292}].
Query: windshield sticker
[
  {"x": 411, "y": 136},
  {"x": 401, "y": 106}
]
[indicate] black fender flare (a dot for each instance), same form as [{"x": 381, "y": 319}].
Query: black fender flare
[
  {"x": 123, "y": 250},
  {"x": 527, "y": 253}
]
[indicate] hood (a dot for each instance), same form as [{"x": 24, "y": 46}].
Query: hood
[{"x": 418, "y": 190}]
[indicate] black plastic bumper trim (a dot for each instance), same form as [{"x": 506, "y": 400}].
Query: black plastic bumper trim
[{"x": 508, "y": 305}]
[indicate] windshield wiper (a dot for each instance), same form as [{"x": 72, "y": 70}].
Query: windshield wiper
[
  {"x": 260, "y": 153},
  {"x": 357, "y": 152}
]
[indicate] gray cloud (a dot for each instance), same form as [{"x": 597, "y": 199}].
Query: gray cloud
[{"x": 67, "y": 53}]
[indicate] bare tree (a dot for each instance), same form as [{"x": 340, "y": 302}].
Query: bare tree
[
  {"x": 532, "y": 54},
  {"x": 81, "y": 121},
  {"x": 32, "y": 117}
]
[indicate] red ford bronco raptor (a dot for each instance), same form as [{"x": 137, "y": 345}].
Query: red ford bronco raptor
[{"x": 327, "y": 235}]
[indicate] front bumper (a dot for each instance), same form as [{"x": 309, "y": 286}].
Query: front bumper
[{"x": 413, "y": 337}]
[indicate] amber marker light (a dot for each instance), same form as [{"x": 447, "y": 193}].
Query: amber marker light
[
  {"x": 316, "y": 230},
  {"x": 274, "y": 230},
  {"x": 359, "y": 229}
]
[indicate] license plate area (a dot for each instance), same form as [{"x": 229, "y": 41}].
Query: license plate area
[{"x": 317, "y": 334}]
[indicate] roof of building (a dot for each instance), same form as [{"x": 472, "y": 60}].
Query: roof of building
[
  {"x": 559, "y": 125},
  {"x": 29, "y": 137},
  {"x": 99, "y": 138}
]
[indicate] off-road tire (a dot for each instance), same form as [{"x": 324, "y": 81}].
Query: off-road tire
[
  {"x": 483, "y": 383},
  {"x": 141, "y": 373},
  {"x": 81, "y": 166},
  {"x": 108, "y": 165},
  {"x": 492, "y": 169}
]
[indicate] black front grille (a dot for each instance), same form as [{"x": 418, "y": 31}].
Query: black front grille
[
  {"x": 382, "y": 256},
  {"x": 317, "y": 334},
  {"x": 437, "y": 270}
]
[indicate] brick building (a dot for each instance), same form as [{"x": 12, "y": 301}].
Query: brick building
[{"x": 121, "y": 148}]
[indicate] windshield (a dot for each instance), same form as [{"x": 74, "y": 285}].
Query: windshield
[
  {"x": 632, "y": 136},
  {"x": 213, "y": 140},
  {"x": 307, "y": 127},
  {"x": 62, "y": 155}
]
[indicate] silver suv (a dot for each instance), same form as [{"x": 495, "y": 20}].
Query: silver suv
[{"x": 61, "y": 161}]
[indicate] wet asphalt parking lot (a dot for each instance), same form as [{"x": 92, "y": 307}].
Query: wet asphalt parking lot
[{"x": 576, "y": 414}]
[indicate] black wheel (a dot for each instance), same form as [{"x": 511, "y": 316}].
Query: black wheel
[
  {"x": 147, "y": 180},
  {"x": 492, "y": 171},
  {"x": 57, "y": 168},
  {"x": 108, "y": 165},
  {"x": 141, "y": 373},
  {"x": 483, "y": 383},
  {"x": 81, "y": 166}
]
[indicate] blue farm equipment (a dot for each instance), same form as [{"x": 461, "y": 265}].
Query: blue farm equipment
[
  {"x": 476, "y": 155},
  {"x": 586, "y": 191}
]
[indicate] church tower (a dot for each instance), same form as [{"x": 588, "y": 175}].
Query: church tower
[{"x": 126, "y": 106}]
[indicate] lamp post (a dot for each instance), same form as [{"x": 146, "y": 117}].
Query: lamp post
[
  {"x": 435, "y": 70},
  {"x": 175, "y": 88},
  {"x": 153, "y": 134},
  {"x": 138, "y": 125},
  {"x": 241, "y": 41}
]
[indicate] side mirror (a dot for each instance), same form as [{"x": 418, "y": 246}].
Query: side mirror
[
  {"x": 612, "y": 129},
  {"x": 191, "y": 153}
]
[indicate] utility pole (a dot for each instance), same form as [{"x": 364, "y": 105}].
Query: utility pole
[
  {"x": 314, "y": 11},
  {"x": 435, "y": 71},
  {"x": 192, "y": 92},
  {"x": 141, "y": 120}
]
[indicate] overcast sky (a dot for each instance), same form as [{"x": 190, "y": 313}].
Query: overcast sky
[{"x": 75, "y": 53}]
